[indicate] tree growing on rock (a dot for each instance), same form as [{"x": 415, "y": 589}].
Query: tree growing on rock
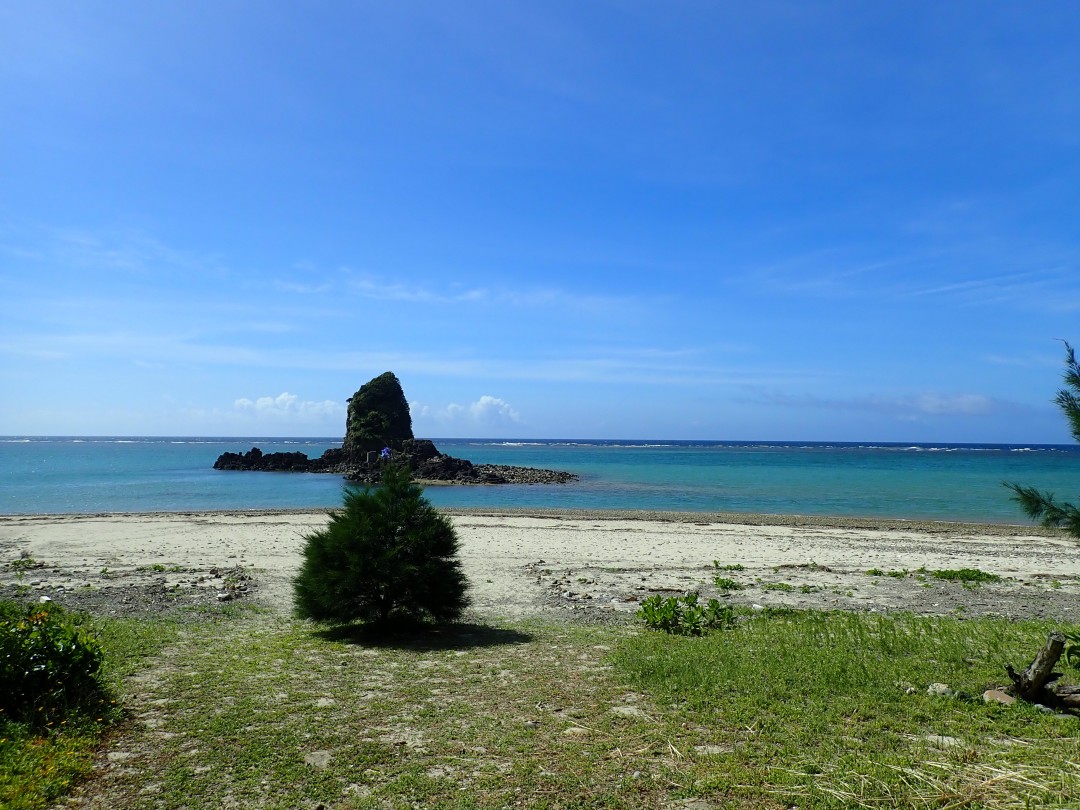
[
  {"x": 387, "y": 556},
  {"x": 1041, "y": 506}
]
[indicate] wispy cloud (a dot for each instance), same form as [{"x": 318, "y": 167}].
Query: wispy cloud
[
  {"x": 104, "y": 251},
  {"x": 1051, "y": 288},
  {"x": 828, "y": 273},
  {"x": 969, "y": 275},
  {"x": 1025, "y": 361},
  {"x": 413, "y": 293},
  {"x": 376, "y": 288},
  {"x": 909, "y": 406},
  {"x": 648, "y": 365},
  {"x": 299, "y": 288}
]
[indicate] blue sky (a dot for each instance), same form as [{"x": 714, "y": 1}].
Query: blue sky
[{"x": 771, "y": 220}]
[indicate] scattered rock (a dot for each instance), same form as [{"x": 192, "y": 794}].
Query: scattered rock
[
  {"x": 629, "y": 711},
  {"x": 692, "y": 804},
  {"x": 939, "y": 690},
  {"x": 998, "y": 696},
  {"x": 318, "y": 759}
]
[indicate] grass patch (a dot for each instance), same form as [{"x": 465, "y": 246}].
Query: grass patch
[
  {"x": 830, "y": 710},
  {"x": 728, "y": 567},
  {"x": 967, "y": 576},
  {"x": 37, "y": 767},
  {"x": 273, "y": 712},
  {"x": 895, "y": 574},
  {"x": 785, "y": 708},
  {"x": 725, "y": 584},
  {"x": 777, "y": 586}
]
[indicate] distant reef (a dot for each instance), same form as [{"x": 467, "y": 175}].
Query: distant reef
[{"x": 378, "y": 428}]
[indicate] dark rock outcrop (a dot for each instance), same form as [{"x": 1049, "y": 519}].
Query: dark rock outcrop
[
  {"x": 378, "y": 425},
  {"x": 378, "y": 417},
  {"x": 256, "y": 459}
]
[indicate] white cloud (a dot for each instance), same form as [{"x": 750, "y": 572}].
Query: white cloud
[
  {"x": 290, "y": 406},
  {"x": 494, "y": 411},
  {"x": 487, "y": 411}
]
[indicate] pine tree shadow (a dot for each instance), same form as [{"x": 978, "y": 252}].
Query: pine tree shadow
[{"x": 424, "y": 637}]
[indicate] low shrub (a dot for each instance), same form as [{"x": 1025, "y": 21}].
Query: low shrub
[
  {"x": 777, "y": 586},
  {"x": 729, "y": 567},
  {"x": 965, "y": 575},
  {"x": 50, "y": 663},
  {"x": 685, "y": 616},
  {"x": 727, "y": 584}
]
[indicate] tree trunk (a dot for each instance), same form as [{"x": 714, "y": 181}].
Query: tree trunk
[{"x": 1029, "y": 684}]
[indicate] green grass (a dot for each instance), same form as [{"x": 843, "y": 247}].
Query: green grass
[
  {"x": 895, "y": 574},
  {"x": 37, "y": 768},
  {"x": 788, "y": 708},
  {"x": 967, "y": 576},
  {"x": 831, "y": 710},
  {"x": 728, "y": 567},
  {"x": 777, "y": 586},
  {"x": 726, "y": 584}
]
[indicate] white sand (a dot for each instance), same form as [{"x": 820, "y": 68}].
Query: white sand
[{"x": 521, "y": 565}]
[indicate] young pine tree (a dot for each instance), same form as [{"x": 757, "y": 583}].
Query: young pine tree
[
  {"x": 388, "y": 555},
  {"x": 1041, "y": 506}
]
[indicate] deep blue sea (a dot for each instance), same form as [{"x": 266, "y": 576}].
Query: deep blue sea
[{"x": 945, "y": 482}]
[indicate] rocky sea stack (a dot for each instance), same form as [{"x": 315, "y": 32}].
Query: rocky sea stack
[{"x": 378, "y": 419}]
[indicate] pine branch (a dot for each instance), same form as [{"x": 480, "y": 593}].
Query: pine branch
[
  {"x": 1070, "y": 406},
  {"x": 1069, "y": 400},
  {"x": 1041, "y": 506}
]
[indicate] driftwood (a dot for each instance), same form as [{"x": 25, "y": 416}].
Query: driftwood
[{"x": 1036, "y": 684}]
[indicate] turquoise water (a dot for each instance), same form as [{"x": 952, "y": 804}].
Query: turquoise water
[{"x": 947, "y": 482}]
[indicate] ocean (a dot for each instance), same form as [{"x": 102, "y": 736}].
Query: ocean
[{"x": 884, "y": 480}]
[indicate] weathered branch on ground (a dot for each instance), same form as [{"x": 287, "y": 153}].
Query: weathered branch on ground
[
  {"x": 1029, "y": 684},
  {"x": 1036, "y": 684}
]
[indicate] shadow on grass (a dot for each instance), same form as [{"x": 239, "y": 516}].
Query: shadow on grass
[{"x": 424, "y": 638}]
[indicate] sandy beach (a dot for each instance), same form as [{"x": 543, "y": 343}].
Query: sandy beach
[{"x": 551, "y": 563}]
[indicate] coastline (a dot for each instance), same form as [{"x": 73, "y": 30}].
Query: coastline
[
  {"x": 869, "y": 523},
  {"x": 561, "y": 563}
]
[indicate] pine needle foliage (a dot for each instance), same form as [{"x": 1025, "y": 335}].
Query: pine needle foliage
[
  {"x": 1042, "y": 506},
  {"x": 387, "y": 557}
]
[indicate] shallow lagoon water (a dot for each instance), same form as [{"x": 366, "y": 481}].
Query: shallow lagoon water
[{"x": 945, "y": 482}]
